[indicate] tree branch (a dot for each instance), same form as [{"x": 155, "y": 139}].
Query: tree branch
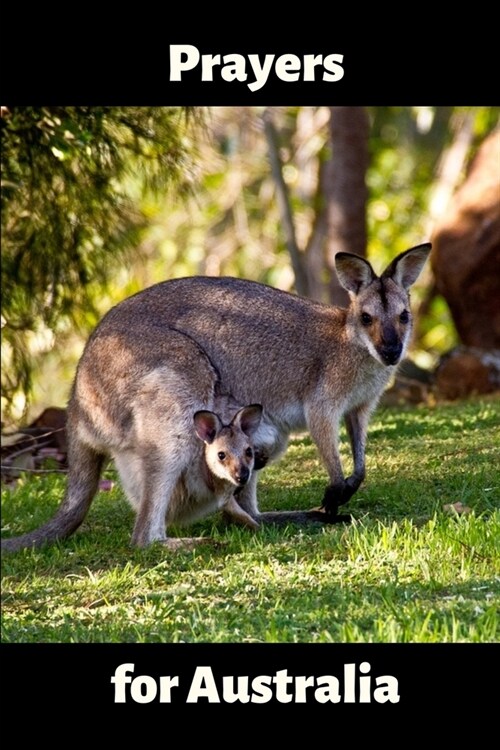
[{"x": 301, "y": 284}]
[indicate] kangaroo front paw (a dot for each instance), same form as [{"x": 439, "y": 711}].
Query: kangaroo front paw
[{"x": 337, "y": 494}]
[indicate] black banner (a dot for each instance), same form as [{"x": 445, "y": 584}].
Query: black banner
[
  {"x": 329, "y": 64},
  {"x": 327, "y": 681}
]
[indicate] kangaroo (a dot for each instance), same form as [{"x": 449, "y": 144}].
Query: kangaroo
[
  {"x": 168, "y": 447},
  {"x": 217, "y": 471},
  {"x": 172, "y": 349},
  {"x": 309, "y": 364}
]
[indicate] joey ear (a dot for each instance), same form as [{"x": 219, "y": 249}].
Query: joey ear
[
  {"x": 248, "y": 418},
  {"x": 353, "y": 271},
  {"x": 406, "y": 268},
  {"x": 206, "y": 425}
]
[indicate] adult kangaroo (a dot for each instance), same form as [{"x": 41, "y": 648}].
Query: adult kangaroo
[{"x": 308, "y": 364}]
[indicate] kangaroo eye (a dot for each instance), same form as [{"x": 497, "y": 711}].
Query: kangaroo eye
[
  {"x": 249, "y": 453},
  {"x": 221, "y": 455},
  {"x": 366, "y": 319},
  {"x": 404, "y": 317}
]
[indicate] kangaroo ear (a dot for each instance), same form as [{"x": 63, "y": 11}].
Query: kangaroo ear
[
  {"x": 206, "y": 425},
  {"x": 353, "y": 271},
  {"x": 248, "y": 419},
  {"x": 406, "y": 268}
]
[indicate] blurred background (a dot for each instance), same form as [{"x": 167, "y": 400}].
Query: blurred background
[{"x": 100, "y": 202}]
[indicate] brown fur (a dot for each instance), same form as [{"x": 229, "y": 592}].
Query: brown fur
[{"x": 177, "y": 347}]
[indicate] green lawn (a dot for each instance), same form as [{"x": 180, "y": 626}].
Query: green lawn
[{"x": 404, "y": 571}]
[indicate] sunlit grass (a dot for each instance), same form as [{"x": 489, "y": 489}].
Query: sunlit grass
[{"x": 403, "y": 571}]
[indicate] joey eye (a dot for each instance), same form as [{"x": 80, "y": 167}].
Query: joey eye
[
  {"x": 366, "y": 319},
  {"x": 404, "y": 317},
  {"x": 249, "y": 453},
  {"x": 221, "y": 455}
]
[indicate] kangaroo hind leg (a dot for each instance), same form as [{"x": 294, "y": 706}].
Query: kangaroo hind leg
[{"x": 156, "y": 491}]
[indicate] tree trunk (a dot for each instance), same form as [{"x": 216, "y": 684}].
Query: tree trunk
[{"x": 345, "y": 190}]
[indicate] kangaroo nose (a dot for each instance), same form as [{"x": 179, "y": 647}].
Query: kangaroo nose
[
  {"x": 391, "y": 354},
  {"x": 391, "y": 346},
  {"x": 242, "y": 475}
]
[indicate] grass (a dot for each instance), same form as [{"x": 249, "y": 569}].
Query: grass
[{"x": 404, "y": 571}]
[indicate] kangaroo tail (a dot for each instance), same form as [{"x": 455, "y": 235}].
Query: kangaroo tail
[
  {"x": 84, "y": 471},
  {"x": 301, "y": 517}
]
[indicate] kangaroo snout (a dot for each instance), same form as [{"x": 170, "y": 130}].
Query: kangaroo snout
[
  {"x": 390, "y": 354},
  {"x": 390, "y": 347},
  {"x": 242, "y": 475}
]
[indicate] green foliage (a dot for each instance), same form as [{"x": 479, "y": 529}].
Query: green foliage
[
  {"x": 404, "y": 571},
  {"x": 71, "y": 179},
  {"x": 407, "y": 145},
  {"x": 81, "y": 228}
]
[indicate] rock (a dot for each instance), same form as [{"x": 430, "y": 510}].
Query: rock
[
  {"x": 466, "y": 251},
  {"x": 467, "y": 371}
]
